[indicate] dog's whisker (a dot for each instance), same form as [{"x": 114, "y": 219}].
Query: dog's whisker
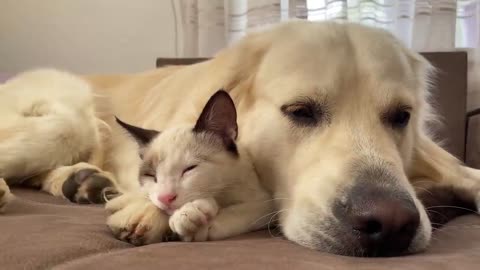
[
  {"x": 423, "y": 189},
  {"x": 434, "y": 238},
  {"x": 436, "y": 212},
  {"x": 454, "y": 207},
  {"x": 442, "y": 230},
  {"x": 422, "y": 181}
]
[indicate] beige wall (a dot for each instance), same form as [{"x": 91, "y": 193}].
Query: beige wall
[{"x": 85, "y": 36}]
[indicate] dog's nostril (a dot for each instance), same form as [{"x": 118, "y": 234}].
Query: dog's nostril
[
  {"x": 367, "y": 225},
  {"x": 373, "y": 227}
]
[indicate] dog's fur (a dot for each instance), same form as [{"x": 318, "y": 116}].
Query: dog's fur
[{"x": 352, "y": 76}]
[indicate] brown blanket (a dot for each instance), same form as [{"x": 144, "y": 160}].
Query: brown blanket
[{"x": 42, "y": 232}]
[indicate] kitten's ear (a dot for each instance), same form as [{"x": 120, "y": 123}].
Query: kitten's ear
[
  {"x": 142, "y": 136},
  {"x": 219, "y": 116}
]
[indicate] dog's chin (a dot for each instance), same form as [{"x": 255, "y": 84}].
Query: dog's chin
[
  {"x": 424, "y": 233},
  {"x": 320, "y": 241}
]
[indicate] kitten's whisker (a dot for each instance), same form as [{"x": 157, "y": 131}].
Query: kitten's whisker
[
  {"x": 264, "y": 216},
  {"x": 271, "y": 218}
]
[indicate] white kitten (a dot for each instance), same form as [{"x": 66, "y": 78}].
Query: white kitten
[{"x": 200, "y": 177}]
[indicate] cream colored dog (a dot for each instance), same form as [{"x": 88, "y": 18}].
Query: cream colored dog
[{"x": 334, "y": 116}]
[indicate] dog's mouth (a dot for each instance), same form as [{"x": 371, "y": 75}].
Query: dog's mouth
[
  {"x": 332, "y": 240},
  {"x": 369, "y": 219},
  {"x": 385, "y": 231},
  {"x": 383, "y": 223}
]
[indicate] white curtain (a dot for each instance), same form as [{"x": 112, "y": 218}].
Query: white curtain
[{"x": 205, "y": 26}]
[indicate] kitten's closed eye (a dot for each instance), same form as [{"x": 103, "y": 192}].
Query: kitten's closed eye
[
  {"x": 148, "y": 177},
  {"x": 189, "y": 168}
]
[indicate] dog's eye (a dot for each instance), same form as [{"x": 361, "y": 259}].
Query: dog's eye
[
  {"x": 189, "y": 168},
  {"x": 301, "y": 113},
  {"x": 399, "y": 118}
]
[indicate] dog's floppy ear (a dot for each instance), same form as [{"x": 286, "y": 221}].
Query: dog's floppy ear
[
  {"x": 141, "y": 135},
  {"x": 219, "y": 116}
]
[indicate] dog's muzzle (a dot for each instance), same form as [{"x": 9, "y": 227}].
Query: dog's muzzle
[{"x": 377, "y": 219}]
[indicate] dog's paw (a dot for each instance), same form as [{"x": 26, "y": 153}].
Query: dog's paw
[
  {"x": 477, "y": 202},
  {"x": 87, "y": 186},
  {"x": 191, "y": 221},
  {"x": 136, "y": 220},
  {"x": 5, "y": 195}
]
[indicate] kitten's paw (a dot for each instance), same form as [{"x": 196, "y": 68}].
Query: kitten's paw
[
  {"x": 88, "y": 185},
  {"x": 191, "y": 221},
  {"x": 5, "y": 195},
  {"x": 136, "y": 220}
]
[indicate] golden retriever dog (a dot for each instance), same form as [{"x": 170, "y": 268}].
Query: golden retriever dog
[{"x": 334, "y": 115}]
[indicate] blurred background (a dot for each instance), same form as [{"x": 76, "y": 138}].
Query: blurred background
[
  {"x": 116, "y": 36},
  {"x": 123, "y": 36}
]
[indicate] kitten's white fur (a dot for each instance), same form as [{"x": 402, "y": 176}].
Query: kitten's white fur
[{"x": 221, "y": 183}]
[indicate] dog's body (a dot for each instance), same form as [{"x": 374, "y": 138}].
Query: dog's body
[{"x": 333, "y": 116}]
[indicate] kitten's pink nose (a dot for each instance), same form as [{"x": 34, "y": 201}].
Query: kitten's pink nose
[{"x": 167, "y": 199}]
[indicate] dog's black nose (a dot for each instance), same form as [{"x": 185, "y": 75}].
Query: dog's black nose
[
  {"x": 377, "y": 216},
  {"x": 385, "y": 226}
]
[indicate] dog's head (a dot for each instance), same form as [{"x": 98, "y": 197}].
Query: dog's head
[{"x": 334, "y": 113}]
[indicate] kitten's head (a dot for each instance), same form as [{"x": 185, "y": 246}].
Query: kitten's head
[{"x": 182, "y": 164}]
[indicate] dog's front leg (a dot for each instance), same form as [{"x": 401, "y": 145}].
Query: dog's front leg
[
  {"x": 5, "y": 195},
  {"x": 445, "y": 186},
  {"x": 81, "y": 183},
  {"x": 473, "y": 176}
]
